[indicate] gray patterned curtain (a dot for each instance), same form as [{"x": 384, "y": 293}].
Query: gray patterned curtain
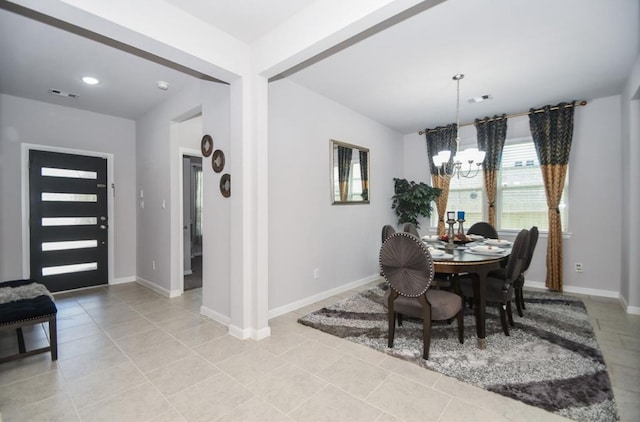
[
  {"x": 492, "y": 133},
  {"x": 344, "y": 168},
  {"x": 364, "y": 174},
  {"x": 438, "y": 139},
  {"x": 552, "y": 132}
]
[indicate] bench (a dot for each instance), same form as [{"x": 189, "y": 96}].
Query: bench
[{"x": 24, "y": 303}]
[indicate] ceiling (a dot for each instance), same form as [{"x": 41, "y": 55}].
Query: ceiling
[{"x": 524, "y": 54}]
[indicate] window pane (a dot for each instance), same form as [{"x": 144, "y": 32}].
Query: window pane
[
  {"x": 63, "y": 246},
  {"x": 69, "y": 197},
  {"x": 65, "y": 269},
  {"x": 75, "y": 174},
  {"x": 69, "y": 221}
]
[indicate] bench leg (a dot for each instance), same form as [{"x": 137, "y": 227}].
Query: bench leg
[
  {"x": 21, "y": 347},
  {"x": 53, "y": 338}
]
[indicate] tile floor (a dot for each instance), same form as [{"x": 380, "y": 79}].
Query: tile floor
[{"x": 129, "y": 354}]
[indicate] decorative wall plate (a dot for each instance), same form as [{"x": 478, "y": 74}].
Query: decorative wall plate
[
  {"x": 206, "y": 145},
  {"x": 217, "y": 161},
  {"x": 225, "y": 185}
]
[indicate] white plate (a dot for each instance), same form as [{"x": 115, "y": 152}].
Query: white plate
[
  {"x": 486, "y": 249},
  {"x": 431, "y": 238},
  {"x": 435, "y": 252},
  {"x": 497, "y": 242},
  {"x": 443, "y": 257}
]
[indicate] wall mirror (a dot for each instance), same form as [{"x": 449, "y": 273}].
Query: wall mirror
[{"x": 349, "y": 174}]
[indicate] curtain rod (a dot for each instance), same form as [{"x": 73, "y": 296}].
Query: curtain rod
[{"x": 524, "y": 113}]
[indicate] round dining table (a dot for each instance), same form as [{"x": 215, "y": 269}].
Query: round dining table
[{"x": 460, "y": 259}]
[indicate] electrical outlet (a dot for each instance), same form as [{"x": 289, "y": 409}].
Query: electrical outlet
[
  {"x": 578, "y": 267},
  {"x": 316, "y": 273}
]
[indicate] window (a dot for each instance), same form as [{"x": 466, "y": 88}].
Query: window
[{"x": 521, "y": 199}]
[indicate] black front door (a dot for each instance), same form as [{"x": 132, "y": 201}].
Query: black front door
[{"x": 68, "y": 220}]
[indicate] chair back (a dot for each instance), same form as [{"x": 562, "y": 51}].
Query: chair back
[
  {"x": 484, "y": 229},
  {"x": 533, "y": 241},
  {"x": 518, "y": 257},
  {"x": 387, "y": 231},
  {"x": 411, "y": 228},
  {"x": 406, "y": 264}
]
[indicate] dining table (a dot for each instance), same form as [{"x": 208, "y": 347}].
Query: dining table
[{"x": 469, "y": 258}]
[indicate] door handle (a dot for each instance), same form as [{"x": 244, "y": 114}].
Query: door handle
[{"x": 103, "y": 226}]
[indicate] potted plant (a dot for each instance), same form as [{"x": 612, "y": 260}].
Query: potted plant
[{"x": 412, "y": 200}]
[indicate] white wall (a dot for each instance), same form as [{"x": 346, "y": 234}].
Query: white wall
[
  {"x": 595, "y": 197},
  {"x": 305, "y": 230},
  {"x": 33, "y": 122}
]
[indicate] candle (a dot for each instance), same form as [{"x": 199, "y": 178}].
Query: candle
[
  {"x": 451, "y": 215},
  {"x": 460, "y": 215}
]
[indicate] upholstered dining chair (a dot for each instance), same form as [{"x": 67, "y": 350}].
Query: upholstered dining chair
[
  {"x": 519, "y": 284},
  {"x": 484, "y": 229},
  {"x": 387, "y": 231},
  {"x": 411, "y": 228},
  {"x": 407, "y": 266},
  {"x": 501, "y": 286}
]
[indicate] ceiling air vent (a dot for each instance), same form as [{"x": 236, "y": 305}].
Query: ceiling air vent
[{"x": 63, "y": 94}]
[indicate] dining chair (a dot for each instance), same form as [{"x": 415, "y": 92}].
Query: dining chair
[
  {"x": 387, "y": 230},
  {"x": 407, "y": 266},
  {"x": 501, "y": 286},
  {"x": 411, "y": 228},
  {"x": 484, "y": 229},
  {"x": 519, "y": 284}
]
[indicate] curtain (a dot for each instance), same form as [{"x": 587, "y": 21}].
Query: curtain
[
  {"x": 438, "y": 139},
  {"x": 196, "y": 235},
  {"x": 364, "y": 174},
  {"x": 492, "y": 133},
  {"x": 344, "y": 168},
  {"x": 552, "y": 132}
]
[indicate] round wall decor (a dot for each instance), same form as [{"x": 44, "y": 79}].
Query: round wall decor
[
  {"x": 217, "y": 161},
  {"x": 225, "y": 185},
  {"x": 206, "y": 145}
]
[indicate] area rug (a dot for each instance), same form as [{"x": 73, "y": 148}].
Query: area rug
[{"x": 551, "y": 359}]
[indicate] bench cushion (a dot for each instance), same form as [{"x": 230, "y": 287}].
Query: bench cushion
[{"x": 24, "y": 299}]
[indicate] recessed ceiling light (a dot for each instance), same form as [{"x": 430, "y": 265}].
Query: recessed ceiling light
[
  {"x": 480, "y": 98},
  {"x": 90, "y": 80}
]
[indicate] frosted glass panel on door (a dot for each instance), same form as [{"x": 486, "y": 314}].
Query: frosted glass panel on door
[
  {"x": 75, "y": 174},
  {"x": 69, "y": 221},
  {"x": 63, "y": 246},
  {"x": 66, "y": 269},
  {"x": 69, "y": 197}
]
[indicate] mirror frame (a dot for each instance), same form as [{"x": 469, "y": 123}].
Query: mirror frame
[{"x": 333, "y": 145}]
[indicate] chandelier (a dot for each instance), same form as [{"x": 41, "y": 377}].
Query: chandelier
[{"x": 465, "y": 163}]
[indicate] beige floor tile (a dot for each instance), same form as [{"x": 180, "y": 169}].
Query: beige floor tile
[
  {"x": 409, "y": 400},
  {"x": 223, "y": 348},
  {"x": 160, "y": 355},
  {"x": 166, "y": 315},
  {"x": 279, "y": 343},
  {"x": 100, "y": 384},
  {"x": 287, "y": 387},
  {"x": 25, "y": 368},
  {"x": 88, "y": 363},
  {"x": 332, "y": 404},
  {"x": 625, "y": 378},
  {"x": 55, "y": 408},
  {"x": 312, "y": 356},
  {"x": 409, "y": 370},
  {"x": 78, "y": 332},
  {"x": 74, "y": 320},
  {"x": 211, "y": 399},
  {"x": 128, "y": 328},
  {"x": 459, "y": 411},
  {"x": 257, "y": 410},
  {"x": 170, "y": 416},
  {"x": 113, "y": 317},
  {"x": 354, "y": 376},
  {"x": 75, "y": 348},
  {"x": 182, "y": 374},
  {"x": 247, "y": 367},
  {"x": 30, "y": 390},
  {"x": 137, "y": 404},
  {"x": 361, "y": 352},
  {"x": 385, "y": 417},
  {"x": 152, "y": 305},
  {"x": 142, "y": 341},
  {"x": 628, "y": 405},
  {"x": 200, "y": 334}
]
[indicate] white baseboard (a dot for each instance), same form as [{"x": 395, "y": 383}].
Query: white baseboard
[
  {"x": 632, "y": 310},
  {"x": 579, "y": 290},
  {"x": 323, "y": 295},
  {"x": 216, "y": 316},
  {"x": 161, "y": 290},
  {"x": 123, "y": 280}
]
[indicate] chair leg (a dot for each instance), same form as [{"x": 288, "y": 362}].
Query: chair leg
[
  {"x": 518, "y": 303},
  {"x": 510, "y": 313},
  {"x": 21, "y": 346},
  {"x": 392, "y": 327},
  {"x": 503, "y": 319},
  {"x": 399, "y": 319},
  {"x": 460, "y": 318},
  {"x": 426, "y": 326},
  {"x": 53, "y": 337},
  {"x": 521, "y": 297}
]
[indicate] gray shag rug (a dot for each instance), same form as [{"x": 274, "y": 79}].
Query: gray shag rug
[{"x": 551, "y": 360}]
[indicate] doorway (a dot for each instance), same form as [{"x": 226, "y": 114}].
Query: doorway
[
  {"x": 192, "y": 221},
  {"x": 68, "y": 223}
]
